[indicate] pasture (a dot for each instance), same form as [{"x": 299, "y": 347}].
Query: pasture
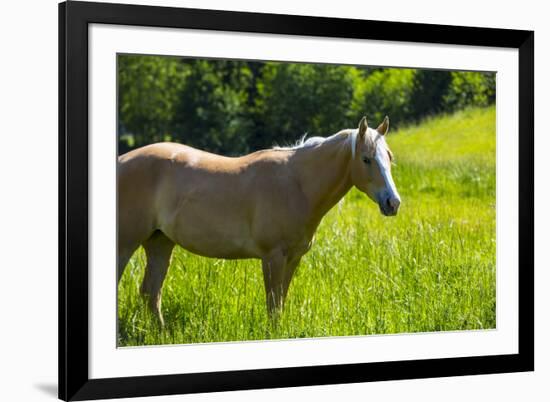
[{"x": 430, "y": 268}]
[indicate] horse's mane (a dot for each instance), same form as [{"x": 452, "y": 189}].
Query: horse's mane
[{"x": 349, "y": 134}]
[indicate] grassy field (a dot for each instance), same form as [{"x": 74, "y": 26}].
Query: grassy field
[{"x": 431, "y": 268}]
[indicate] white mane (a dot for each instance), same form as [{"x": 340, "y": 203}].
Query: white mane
[
  {"x": 305, "y": 142},
  {"x": 353, "y": 138}
]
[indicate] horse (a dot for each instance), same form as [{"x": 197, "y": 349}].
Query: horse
[{"x": 265, "y": 205}]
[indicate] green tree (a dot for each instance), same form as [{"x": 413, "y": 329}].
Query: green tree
[
  {"x": 429, "y": 89},
  {"x": 384, "y": 92},
  {"x": 148, "y": 88},
  {"x": 294, "y": 99},
  {"x": 212, "y": 108},
  {"x": 235, "y": 107},
  {"x": 470, "y": 89}
]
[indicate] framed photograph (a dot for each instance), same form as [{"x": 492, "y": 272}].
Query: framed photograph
[{"x": 257, "y": 201}]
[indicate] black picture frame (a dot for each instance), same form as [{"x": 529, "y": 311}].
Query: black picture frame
[{"x": 74, "y": 381}]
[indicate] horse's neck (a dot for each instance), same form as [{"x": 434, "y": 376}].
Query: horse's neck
[{"x": 324, "y": 173}]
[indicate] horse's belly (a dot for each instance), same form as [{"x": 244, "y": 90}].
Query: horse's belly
[
  {"x": 219, "y": 249},
  {"x": 212, "y": 235}
]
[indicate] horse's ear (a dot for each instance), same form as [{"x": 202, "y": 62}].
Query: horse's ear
[
  {"x": 384, "y": 126},
  {"x": 363, "y": 127}
]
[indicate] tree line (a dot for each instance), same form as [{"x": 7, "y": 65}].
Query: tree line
[{"x": 236, "y": 107}]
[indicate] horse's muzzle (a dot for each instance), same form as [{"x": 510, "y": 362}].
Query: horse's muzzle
[{"x": 389, "y": 206}]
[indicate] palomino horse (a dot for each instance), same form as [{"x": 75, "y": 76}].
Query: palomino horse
[{"x": 264, "y": 205}]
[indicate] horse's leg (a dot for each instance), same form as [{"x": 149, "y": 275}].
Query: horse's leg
[
  {"x": 278, "y": 270},
  {"x": 125, "y": 251},
  {"x": 123, "y": 258},
  {"x": 133, "y": 229},
  {"x": 158, "y": 249},
  {"x": 273, "y": 266},
  {"x": 290, "y": 268}
]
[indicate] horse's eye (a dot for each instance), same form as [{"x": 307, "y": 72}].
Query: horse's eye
[{"x": 366, "y": 160}]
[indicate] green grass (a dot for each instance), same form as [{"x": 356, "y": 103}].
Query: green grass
[{"x": 431, "y": 268}]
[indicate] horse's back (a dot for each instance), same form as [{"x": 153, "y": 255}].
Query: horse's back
[
  {"x": 198, "y": 199},
  {"x": 212, "y": 205},
  {"x": 138, "y": 177},
  {"x": 162, "y": 151},
  {"x": 155, "y": 176}
]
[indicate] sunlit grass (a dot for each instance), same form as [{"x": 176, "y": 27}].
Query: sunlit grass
[{"x": 431, "y": 268}]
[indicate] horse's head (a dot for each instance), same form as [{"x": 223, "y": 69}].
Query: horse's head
[{"x": 371, "y": 166}]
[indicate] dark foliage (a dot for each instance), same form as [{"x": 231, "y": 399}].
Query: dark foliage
[{"x": 235, "y": 107}]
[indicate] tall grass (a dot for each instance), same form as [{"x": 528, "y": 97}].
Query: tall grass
[{"x": 430, "y": 268}]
